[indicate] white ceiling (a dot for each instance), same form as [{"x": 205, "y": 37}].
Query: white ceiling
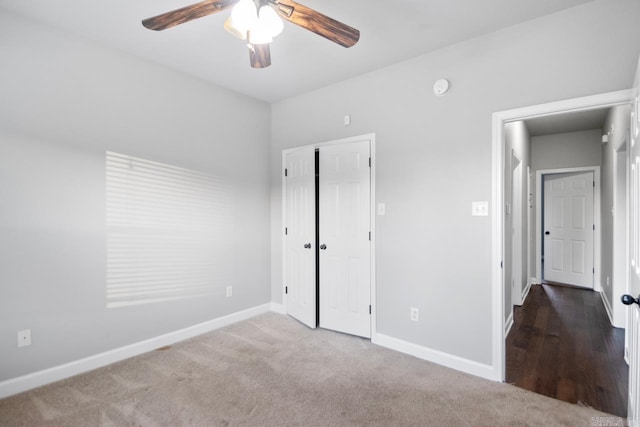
[
  {"x": 391, "y": 31},
  {"x": 567, "y": 122}
]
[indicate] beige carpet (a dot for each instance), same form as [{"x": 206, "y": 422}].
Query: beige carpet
[{"x": 273, "y": 371}]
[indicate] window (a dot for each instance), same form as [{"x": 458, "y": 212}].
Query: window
[{"x": 167, "y": 228}]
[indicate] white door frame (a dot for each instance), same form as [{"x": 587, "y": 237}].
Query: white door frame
[
  {"x": 517, "y": 228},
  {"x": 371, "y": 137},
  {"x": 621, "y": 257},
  {"x": 501, "y": 118},
  {"x": 597, "y": 286},
  {"x": 530, "y": 280}
]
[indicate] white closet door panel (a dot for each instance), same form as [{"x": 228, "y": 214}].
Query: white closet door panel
[
  {"x": 345, "y": 276},
  {"x": 300, "y": 242}
]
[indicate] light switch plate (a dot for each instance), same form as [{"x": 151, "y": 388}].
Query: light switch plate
[
  {"x": 480, "y": 208},
  {"x": 382, "y": 209}
]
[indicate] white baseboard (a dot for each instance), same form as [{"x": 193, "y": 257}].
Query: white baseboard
[
  {"x": 435, "y": 356},
  {"x": 46, "y": 376},
  {"x": 508, "y": 324},
  {"x": 278, "y": 308},
  {"x": 525, "y": 294},
  {"x": 607, "y": 307}
]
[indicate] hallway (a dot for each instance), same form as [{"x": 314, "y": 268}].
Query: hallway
[{"x": 562, "y": 345}]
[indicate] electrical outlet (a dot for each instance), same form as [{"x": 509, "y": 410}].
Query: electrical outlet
[
  {"x": 482, "y": 208},
  {"x": 415, "y": 314},
  {"x": 24, "y": 338},
  {"x": 229, "y": 291}
]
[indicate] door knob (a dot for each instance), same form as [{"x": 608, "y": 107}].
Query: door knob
[
  {"x": 307, "y": 246},
  {"x": 547, "y": 233},
  {"x": 323, "y": 246},
  {"x": 628, "y": 300}
]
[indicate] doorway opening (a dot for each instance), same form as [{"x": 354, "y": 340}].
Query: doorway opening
[
  {"x": 553, "y": 114},
  {"x": 567, "y": 216}
]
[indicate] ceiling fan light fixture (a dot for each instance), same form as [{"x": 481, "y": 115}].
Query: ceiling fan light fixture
[
  {"x": 269, "y": 21},
  {"x": 233, "y": 30},
  {"x": 259, "y": 37},
  {"x": 244, "y": 16},
  {"x": 257, "y": 22}
]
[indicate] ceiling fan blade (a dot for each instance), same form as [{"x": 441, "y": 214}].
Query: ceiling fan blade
[
  {"x": 316, "y": 22},
  {"x": 186, "y": 14},
  {"x": 260, "y": 55}
]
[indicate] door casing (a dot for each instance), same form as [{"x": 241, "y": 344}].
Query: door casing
[
  {"x": 499, "y": 119},
  {"x": 516, "y": 230},
  {"x": 372, "y": 214}
]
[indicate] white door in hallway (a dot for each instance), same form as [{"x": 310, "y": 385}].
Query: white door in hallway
[
  {"x": 633, "y": 312},
  {"x": 345, "y": 246},
  {"x": 300, "y": 239},
  {"x": 569, "y": 228}
]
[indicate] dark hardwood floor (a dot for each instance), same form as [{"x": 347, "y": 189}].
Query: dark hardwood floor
[{"x": 562, "y": 345}]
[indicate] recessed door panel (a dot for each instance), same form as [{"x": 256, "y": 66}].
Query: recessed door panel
[
  {"x": 556, "y": 255},
  {"x": 557, "y": 212},
  {"x": 578, "y": 248},
  {"x": 568, "y": 228},
  {"x": 578, "y": 213}
]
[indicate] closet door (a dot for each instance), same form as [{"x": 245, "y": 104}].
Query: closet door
[
  {"x": 300, "y": 241},
  {"x": 345, "y": 248}
]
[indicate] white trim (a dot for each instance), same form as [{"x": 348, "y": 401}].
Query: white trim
[
  {"x": 499, "y": 119},
  {"x": 607, "y": 307},
  {"x": 278, "y": 308},
  {"x": 508, "y": 324},
  {"x": 525, "y": 294},
  {"x": 435, "y": 356},
  {"x": 529, "y": 241},
  {"x": 621, "y": 240},
  {"x": 597, "y": 286},
  {"x": 517, "y": 226},
  {"x": 497, "y": 247},
  {"x": 371, "y": 137},
  {"x": 57, "y": 373}
]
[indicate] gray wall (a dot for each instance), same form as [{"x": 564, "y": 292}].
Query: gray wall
[
  {"x": 566, "y": 150},
  {"x": 518, "y": 142},
  {"x": 434, "y": 157},
  {"x": 558, "y": 151},
  {"x": 64, "y": 102}
]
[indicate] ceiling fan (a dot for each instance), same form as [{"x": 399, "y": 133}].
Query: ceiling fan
[{"x": 258, "y": 21}]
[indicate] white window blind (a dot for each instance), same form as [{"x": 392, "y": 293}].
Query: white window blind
[{"x": 167, "y": 228}]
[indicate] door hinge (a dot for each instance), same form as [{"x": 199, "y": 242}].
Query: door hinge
[
  {"x": 369, "y": 309},
  {"x": 500, "y": 264},
  {"x": 593, "y": 270},
  {"x": 369, "y": 161},
  {"x": 594, "y": 226},
  {"x": 369, "y": 236},
  {"x": 286, "y": 231},
  {"x": 594, "y": 184},
  {"x": 286, "y": 289},
  {"x": 286, "y": 171}
]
